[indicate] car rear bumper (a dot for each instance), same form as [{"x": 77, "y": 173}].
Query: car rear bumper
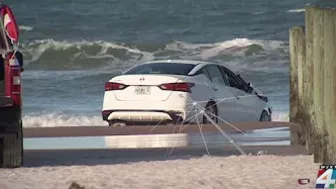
[
  {"x": 144, "y": 115},
  {"x": 176, "y": 108}
]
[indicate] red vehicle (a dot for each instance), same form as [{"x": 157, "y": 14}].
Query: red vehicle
[{"x": 11, "y": 139}]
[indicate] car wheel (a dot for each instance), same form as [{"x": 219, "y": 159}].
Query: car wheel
[
  {"x": 211, "y": 111},
  {"x": 11, "y": 150},
  {"x": 265, "y": 116}
]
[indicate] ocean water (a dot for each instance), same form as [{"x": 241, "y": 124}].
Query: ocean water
[{"x": 72, "y": 47}]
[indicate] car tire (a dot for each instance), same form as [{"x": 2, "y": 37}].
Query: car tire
[
  {"x": 265, "y": 116},
  {"x": 213, "y": 111},
  {"x": 11, "y": 150}
]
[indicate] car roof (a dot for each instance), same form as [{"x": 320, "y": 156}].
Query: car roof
[{"x": 193, "y": 62}]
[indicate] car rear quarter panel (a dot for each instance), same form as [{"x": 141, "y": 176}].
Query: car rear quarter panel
[{"x": 201, "y": 92}]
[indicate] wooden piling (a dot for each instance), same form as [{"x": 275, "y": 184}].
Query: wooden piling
[
  {"x": 297, "y": 60},
  {"x": 318, "y": 83},
  {"x": 331, "y": 155},
  {"x": 301, "y": 61},
  {"x": 313, "y": 67},
  {"x": 329, "y": 89},
  {"x": 293, "y": 89},
  {"x": 308, "y": 116}
]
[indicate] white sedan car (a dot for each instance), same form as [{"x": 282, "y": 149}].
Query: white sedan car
[{"x": 182, "y": 91}]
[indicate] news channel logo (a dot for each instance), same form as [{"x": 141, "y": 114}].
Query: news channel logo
[{"x": 326, "y": 177}]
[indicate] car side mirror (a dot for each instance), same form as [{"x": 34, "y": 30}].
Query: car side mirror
[
  {"x": 21, "y": 65},
  {"x": 251, "y": 88},
  {"x": 19, "y": 57}
]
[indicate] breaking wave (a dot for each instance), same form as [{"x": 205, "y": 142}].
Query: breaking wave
[
  {"x": 59, "y": 120},
  {"x": 83, "y": 55}
]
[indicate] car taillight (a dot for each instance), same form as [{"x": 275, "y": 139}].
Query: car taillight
[
  {"x": 16, "y": 85},
  {"x": 13, "y": 80},
  {"x": 185, "y": 87},
  {"x": 110, "y": 86}
]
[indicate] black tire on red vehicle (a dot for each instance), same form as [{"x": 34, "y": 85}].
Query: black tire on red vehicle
[{"x": 11, "y": 150}]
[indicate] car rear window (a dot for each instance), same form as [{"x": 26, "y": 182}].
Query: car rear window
[{"x": 161, "y": 68}]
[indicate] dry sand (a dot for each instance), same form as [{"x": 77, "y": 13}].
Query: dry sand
[{"x": 232, "y": 172}]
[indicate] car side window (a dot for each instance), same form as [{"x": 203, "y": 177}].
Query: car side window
[
  {"x": 224, "y": 75},
  {"x": 216, "y": 75},
  {"x": 204, "y": 72},
  {"x": 233, "y": 81}
]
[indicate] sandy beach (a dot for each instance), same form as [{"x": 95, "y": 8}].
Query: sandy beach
[
  {"x": 265, "y": 167},
  {"x": 216, "y": 172}
]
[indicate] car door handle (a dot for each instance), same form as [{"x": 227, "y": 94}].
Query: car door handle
[{"x": 238, "y": 97}]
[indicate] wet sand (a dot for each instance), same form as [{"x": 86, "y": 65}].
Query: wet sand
[{"x": 138, "y": 130}]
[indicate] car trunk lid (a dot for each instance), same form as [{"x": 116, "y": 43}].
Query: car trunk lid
[{"x": 144, "y": 87}]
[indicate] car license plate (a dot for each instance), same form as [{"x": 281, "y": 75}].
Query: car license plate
[{"x": 142, "y": 90}]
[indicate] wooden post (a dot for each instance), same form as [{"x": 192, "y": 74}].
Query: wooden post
[
  {"x": 301, "y": 61},
  {"x": 313, "y": 83},
  {"x": 331, "y": 155},
  {"x": 293, "y": 41},
  {"x": 318, "y": 83},
  {"x": 308, "y": 106},
  {"x": 301, "y": 64},
  {"x": 297, "y": 60},
  {"x": 329, "y": 88}
]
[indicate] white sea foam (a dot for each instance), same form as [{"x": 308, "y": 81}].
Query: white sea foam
[
  {"x": 58, "y": 119},
  {"x": 296, "y": 10},
  {"x": 26, "y": 28},
  {"x": 280, "y": 116}
]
